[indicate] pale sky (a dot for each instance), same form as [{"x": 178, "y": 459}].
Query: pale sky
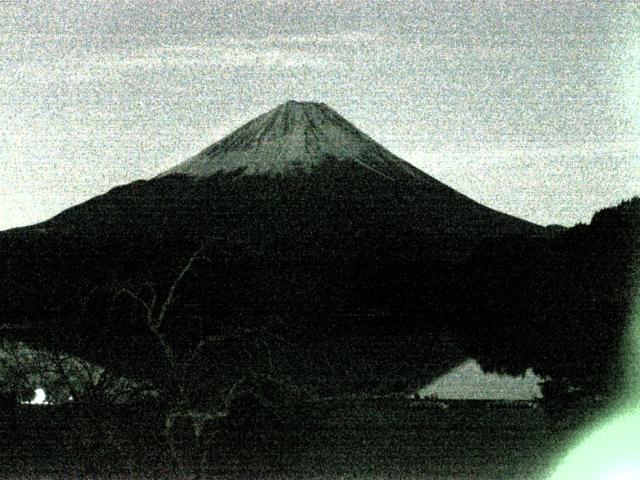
[{"x": 532, "y": 108}]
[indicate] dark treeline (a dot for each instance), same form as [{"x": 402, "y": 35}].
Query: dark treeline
[{"x": 561, "y": 305}]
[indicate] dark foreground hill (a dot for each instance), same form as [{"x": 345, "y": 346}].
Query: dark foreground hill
[{"x": 320, "y": 255}]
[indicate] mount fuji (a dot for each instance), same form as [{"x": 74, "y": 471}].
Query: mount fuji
[{"x": 303, "y": 218}]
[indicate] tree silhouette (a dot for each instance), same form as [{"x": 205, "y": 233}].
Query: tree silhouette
[{"x": 217, "y": 376}]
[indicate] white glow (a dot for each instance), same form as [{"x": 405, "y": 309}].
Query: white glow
[
  {"x": 610, "y": 452},
  {"x": 629, "y": 470},
  {"x": 40, "y": 397}
]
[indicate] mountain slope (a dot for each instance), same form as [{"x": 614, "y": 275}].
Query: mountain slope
[{"x": 293, "y": 156}]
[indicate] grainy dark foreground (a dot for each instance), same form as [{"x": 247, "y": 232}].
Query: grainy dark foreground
[{"x": 399, "y": 439}]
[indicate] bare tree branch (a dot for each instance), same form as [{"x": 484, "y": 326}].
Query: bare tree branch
[
  {"x": 137, "y": 298},
  {"x": 172, "y": 290}
]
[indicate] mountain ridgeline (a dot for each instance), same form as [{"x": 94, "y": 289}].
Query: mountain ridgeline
[{"x": 373, "y": 276}]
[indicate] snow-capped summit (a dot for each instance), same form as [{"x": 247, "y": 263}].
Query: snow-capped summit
[{"x": 294, "y": 138}]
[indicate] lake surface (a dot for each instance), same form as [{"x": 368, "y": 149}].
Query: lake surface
[{"x": 341, "y": 439}]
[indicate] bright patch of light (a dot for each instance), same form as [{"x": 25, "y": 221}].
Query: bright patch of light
[
  {"x": 40, "y": 397},
  {"x": 612, "y": 450},
  {"x": 625, "y": 471}
]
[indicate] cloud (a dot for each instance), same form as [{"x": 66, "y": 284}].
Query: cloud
[
  {"x": 221, "y": 56},
  {"x": 111, "y": 64}
]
